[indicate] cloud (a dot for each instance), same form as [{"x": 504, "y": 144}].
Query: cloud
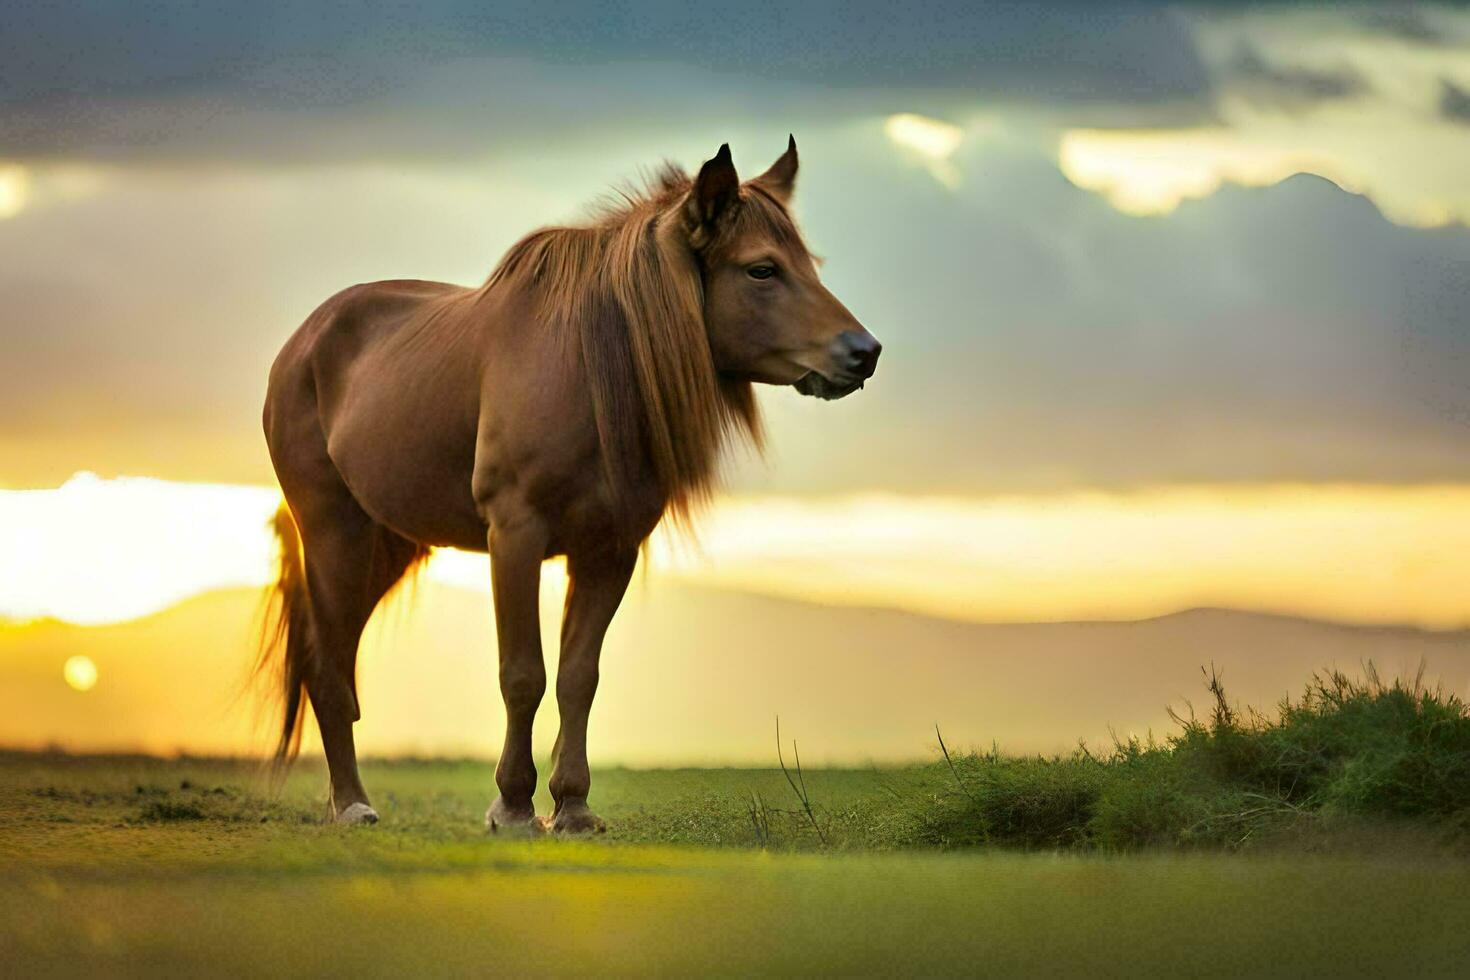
[
  {"x": 1414, "y": 179},
  {"x": 1421, "y": 23},
  {"x": 1252, "y": 76},
  {"x": 1300, "y": 89},
  {"x": 930, "y": 141},
  {"x": 278, "y": 83},
  {"x": 1454, "y": 102},
  {"x": 1045, "y": 340},
  {"x": 1037, "y": 339},
  {"x": 283, "y": 52}
]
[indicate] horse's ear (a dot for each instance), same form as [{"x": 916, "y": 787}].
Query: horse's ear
[
  {"x": 780, "y": 180},
  {"x": 715, "y": 191}
]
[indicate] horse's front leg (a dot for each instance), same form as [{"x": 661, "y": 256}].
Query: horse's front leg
[
  {"x": 516, "y": 552},
  {"x": 596, "y": 587}
]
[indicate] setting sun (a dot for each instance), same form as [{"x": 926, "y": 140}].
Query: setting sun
[{"x": 80, "y": 673}]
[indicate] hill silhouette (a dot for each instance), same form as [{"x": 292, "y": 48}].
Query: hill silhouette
[{"x": 693, "y": 675}]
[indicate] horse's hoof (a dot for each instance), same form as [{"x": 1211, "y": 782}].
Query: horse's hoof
[
  {"x": 357, "y": 814},
  {"x": 501, "y": 819},
  {"x": 577, "y": 818}
]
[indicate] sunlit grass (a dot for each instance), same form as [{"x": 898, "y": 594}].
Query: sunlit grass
[{"x": 186, "y": 867}]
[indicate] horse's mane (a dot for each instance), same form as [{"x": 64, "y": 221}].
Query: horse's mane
[{"x": 626, "y": 290}]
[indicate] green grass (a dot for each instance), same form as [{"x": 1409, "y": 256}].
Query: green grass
[
  {"x": 1327, "y": 839},
  {"x": 1347, "y": 754}
]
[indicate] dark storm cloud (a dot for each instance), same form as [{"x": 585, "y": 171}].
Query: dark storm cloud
[
  {"x": 1401, "y": 20},
  {"x": 1418, "y": 23},
  {"x": 149, "y": 79},
  {"x": 1454, "y": 102},
  {"x": 1259, "y": 79},
  {"x": 1119, "y": 50}
]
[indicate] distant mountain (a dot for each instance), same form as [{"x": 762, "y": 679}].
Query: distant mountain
[{"x": 694, "y": 675}]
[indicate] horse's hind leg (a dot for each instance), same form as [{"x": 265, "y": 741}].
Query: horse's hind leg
[{"x": 351, "y": 563}]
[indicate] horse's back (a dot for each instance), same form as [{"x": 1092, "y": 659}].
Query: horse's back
[
  {"x": 369, "y": 310},
  {"x": 375, "y": 385}
]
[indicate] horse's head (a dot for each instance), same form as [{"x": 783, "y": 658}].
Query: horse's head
[{"x": 769, "y": 317}]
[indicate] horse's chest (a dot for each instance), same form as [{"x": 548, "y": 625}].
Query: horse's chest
[{"x": 563, "y": 481}]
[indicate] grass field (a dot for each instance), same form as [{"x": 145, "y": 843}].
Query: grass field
[
  {"x": 1328, "y": 838},
  {"x": 145, "y": 866}
]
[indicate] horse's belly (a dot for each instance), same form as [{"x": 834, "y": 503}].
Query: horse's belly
[
  {"x": 406, "y": 450},
  {"x": 419, "y": 487}
]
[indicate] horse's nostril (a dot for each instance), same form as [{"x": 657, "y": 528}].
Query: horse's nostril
[
  {"x": 862, "y": 352},
  {"x": 870, "y": 362}
]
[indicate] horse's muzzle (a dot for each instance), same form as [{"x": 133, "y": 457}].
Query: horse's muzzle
[
  {"x": 854, "y": 359},
  {"x": 817, "y": 386},
  {"x": 856, "y": 351}
]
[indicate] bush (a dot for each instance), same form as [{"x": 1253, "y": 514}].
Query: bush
[
  {"x": 1034, "y": 803},
  {"x": 1348, "y": 747}
]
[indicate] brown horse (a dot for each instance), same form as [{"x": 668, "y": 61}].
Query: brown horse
[{"x": 563, "y": 408}]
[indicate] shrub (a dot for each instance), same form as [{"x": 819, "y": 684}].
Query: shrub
[
  {"x": 1348, "y": 747},
  {"x": 1035, "y": 803}
]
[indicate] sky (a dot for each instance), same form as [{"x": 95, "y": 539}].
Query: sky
[{"x": 1175, "y": 299}]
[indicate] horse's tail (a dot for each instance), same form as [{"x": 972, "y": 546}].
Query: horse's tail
[{"x": 285, "y": 645}]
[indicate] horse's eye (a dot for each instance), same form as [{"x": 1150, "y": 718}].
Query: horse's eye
[{"x": 761, "y": 271}]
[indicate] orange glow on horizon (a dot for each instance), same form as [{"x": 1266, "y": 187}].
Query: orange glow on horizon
[
  {"x": 1359, "y": 554},
  {"x": 100, "y": 551}
]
